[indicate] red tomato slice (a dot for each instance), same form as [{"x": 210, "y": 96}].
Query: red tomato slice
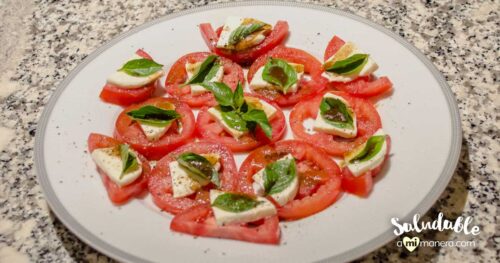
[
  {"x": 208, "y": 128},
  {"x": 129, "y": 131},
  {"x": 363, "y": 184},
  {"x": 276, "y": 37},
  {"x": 117, "y": 194},
  {"x": 364, "y": 86},
  {"x": 160, "y": 183},
  {"x": 233, "y": 74},
  {"x": 306, "y": 87},
  {"x": 333, "y": 46},
  {"x": 319, "y": 176},
  {"x": 368, "y": 122},
  {"x": 113, "y": 94},
  {"x": 199, "y": 221}
]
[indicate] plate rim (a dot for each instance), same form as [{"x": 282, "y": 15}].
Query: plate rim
[{"x": 104, "y": 247}]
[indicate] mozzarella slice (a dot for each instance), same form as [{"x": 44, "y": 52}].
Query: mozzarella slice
[
  {"x": 231, "y": 24},
  {"x": 110, "y": 162},
  {"x": 192, "y": 68},
  {"x": 257, "y": 103},
  {"x": 222, "y": 217},
  {"x": 283, "y": 197},
  {"x": 347, "y": 50},
  {"x": 360, "y": 168},
  {"x": 321, "y": 125},
  {"x": 216, "y": 114},
  {"x": 126, "y": 81},
  {"x": 154, "y": 133},
  {"x": 258, "y": 81}
]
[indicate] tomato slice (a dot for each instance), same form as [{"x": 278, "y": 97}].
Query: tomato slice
[
  {"x": 160, "y": 183},
  {"x": 333, "y": 46},
  {"x": 199, "y": 221},
  {"x": 117, "y": 194},
  {"x": 115, "y": 95},
  {"x": 276, "y": 37},
  {"x": 362, "y": 185},
  {"x": 177, "y": 75},
  {"x": 306, "y": 87},
  {"x": 129, "y": 131},
  {"x": 319, "y": 176},
  {"x": 368, "y": 122},
  {"x": 364, "y": 86},
  {"x": 209, "y": 128}
]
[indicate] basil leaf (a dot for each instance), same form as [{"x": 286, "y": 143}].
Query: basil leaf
[
  {"x": 238, "y": 98},
  {"x": 206, "y": 70},
  {"x": 243, "y": 31},
  {"x": 278, "y": 72},
  {"x": 222, "y": 93},
  {"x": 372, "y": 148},
  {"x": 235, "y": 203},
  {"x": 198, "y": 167},
  {"x": 234, "y": 120},
  {"x": 154, "y": 116},
  {"x": 129, "y": 160},
  {"x": 335, "y": 112},
  {"x": 279, "y": 175},
  {"x": 350, "y": 65},
  {"x": 259, "y": 117},
  {"x": 141, "y": 67}
]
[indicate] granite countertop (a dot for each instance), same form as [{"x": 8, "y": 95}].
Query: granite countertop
[{"x": 41, "y": 42}]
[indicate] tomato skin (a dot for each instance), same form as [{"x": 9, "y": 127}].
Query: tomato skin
[
  {"x": 364, "y": 87},
  {"x": 199, "y": 221},
  {"x": 160, "y": 183},
  {"x": 368, "y": 122},
  {"x": 124, "y": 97},
  {"x": 130, "y": 131},
  {"x": 177, "y": 75},
  {"x": 333, "y": 46},
  {"x": 119, "y": 195},
  {"x": 306, "y": 88},
  {"x": 208, "y": 128},
  {"x": 315, "y": 159},
  {"x": 277, "y": 36}
]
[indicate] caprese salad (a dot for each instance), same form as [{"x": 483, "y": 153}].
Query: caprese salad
[{"x": 195, "y": 177}]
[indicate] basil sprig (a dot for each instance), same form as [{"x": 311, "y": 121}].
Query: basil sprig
[
  {"x": 372, "y": 148},
  {"x": 141, "y": 67},
  {"x": 278, "y": 72},
  {"x": 199, "y": 168},
  {"x": 129, "y": 160},
  {"x": 335, "y": 112},
  {"x": 279, "y": 175},
  {"x": 235, "y": 203},
  {"x": 243, "y": 31},
  {"x": 154, "y": 116},
  {"x": 235, "y": 111},
  {"x": 208, "y": 69},
  {"x": 350, "y": 65}
]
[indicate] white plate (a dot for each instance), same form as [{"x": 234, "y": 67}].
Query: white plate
[{"x": 421, "y": 116}]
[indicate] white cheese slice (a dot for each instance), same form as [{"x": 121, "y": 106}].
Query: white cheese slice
[
  {"x": 192, "y": 68},
  {"x": 126, "y": 81},
  {"x": 258, "y": 81},
  {"x": 216, "y": 114},
  {"x": 360, "y": 168},
  {"x": 231, "y": 24},
  {"x": 257, "y": 103},
  {"x": 347, "y": 50},
  {"x": 283, "y": 197},
  {"x": 182, "y": 184},
  {"x": 154, "y": 133},
  {"x": 110, "y": 162},
  {"x": 321, "y": 125},
  {"x": 222, "y": 217}
]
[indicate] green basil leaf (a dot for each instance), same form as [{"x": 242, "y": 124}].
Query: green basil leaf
[
  {"x": 372, "y": 148},
  {"x": 278, "y": 72},
  {"x": 279, "y": 175},
  {"x": 238, "y": 98},
  {"x": 222, "y": 93},
  {"x": 234, "y": 120},
  {"x": 243, "y": 31},
  {"x": 198, "y": 167},
  {"x": 206, "y": 70},
  {"x": 336, "y": 112},
  {"x": 129, "y": 160},
  {"x": 154, "y": 116},
  {"x": 259, "y": 117},
  {"x": 235, "y": 203},
  {"x": 141, "y": 67},
  {"x": 350, "y": 65}
]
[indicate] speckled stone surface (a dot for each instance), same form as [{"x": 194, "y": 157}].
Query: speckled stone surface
[{"x": 51, "y": 37}]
